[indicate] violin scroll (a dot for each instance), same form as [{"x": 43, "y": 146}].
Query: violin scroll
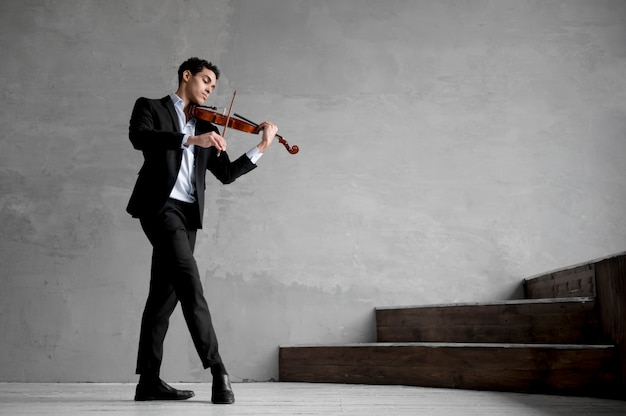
[{"x": 291, "y": 149}]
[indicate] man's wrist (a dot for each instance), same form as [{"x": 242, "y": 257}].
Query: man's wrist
[
  {"x": 188, "y": 140},
  {"x": 262, "y": 147}
]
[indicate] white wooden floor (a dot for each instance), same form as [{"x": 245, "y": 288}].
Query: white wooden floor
[{"x": 293, "y": 399}]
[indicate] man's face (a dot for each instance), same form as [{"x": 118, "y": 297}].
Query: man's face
[{"x": 199, "y": 86}]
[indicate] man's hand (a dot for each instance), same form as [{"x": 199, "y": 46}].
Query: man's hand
[
  {"x": 210, "y": 139},
  {"x": 269, "y": 132}
]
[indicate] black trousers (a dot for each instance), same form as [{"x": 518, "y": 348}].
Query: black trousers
[{"x": 174, "y": 277}]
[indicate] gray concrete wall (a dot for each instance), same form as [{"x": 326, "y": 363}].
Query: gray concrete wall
[{"x": 448, "y": 150}]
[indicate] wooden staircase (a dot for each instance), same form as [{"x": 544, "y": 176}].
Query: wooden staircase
[{"x": 566, "y": 337}]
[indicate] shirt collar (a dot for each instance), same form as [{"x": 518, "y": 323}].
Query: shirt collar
[
  {"x": 179, "y": 105},
  {"x": 178, "y": 102}
]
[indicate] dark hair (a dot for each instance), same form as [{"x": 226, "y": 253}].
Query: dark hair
[{"x": 195, "y": 65}]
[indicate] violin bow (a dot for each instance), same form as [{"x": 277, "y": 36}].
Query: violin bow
[
  {"x": 227, "y": 119},
  {"x": 228, "y": 116}
]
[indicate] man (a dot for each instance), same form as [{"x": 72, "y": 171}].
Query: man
[{"x": 168, "y": 199}]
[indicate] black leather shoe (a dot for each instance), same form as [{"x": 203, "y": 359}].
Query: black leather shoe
[
  {"x": 160, "y": 390},
  {"x": 222, "y": 391}
]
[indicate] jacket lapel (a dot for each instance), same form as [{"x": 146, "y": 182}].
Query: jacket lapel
[{"x": 169, "y": 105}]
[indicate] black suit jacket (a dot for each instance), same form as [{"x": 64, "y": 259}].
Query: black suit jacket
[{"x": 154, "y": 130}]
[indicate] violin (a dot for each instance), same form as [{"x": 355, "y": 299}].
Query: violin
[{"x": 235, "y": 121}]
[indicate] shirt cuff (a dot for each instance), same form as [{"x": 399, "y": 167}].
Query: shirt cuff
[
  {"x": 254, "y": 154},
  {"x": 184, "y": 143}
]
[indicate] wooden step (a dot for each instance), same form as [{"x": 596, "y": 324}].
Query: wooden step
[
  {"x": 561, "y": 321},
  {"x": 575, "y": 281},
  {"x": 603, "y": 278},
  {"x": 586, "y": 370}
]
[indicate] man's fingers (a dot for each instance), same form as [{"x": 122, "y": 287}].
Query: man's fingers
[{"x": 221, "y": 144}]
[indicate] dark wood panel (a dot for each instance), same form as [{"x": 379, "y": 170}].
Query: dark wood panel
[
  {"x": 546, "y": 369},
  {"x": 611, "y": 298},
  {"x": 554, "y": 321},
  {"x": 573, "y": 282}
]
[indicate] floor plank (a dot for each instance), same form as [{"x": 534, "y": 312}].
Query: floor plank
[{"x": 261, "y": 399}]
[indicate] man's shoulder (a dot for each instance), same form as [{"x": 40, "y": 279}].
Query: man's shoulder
[
  {"x": 153, "y": 101},
  {"x": 158, "y": 107}
]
